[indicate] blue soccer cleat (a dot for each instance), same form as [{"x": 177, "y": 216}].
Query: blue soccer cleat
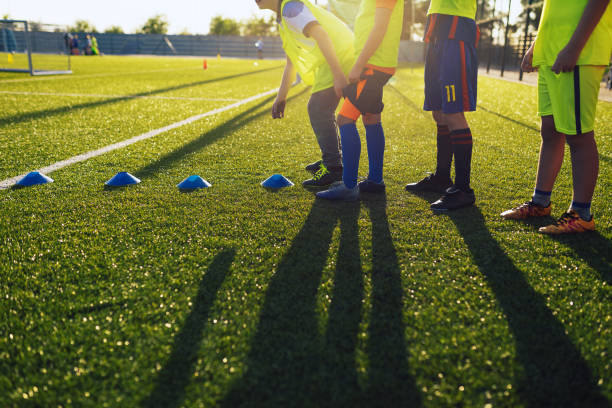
[{"x": 340, "y": 192}]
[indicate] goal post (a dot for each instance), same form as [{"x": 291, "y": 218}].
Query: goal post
[{"x": 34, "y": 48}]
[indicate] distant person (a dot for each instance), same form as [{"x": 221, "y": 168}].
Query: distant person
[
  {"x": 320, "y": 47},
  {"x": 87, "y": 48},
  {"x": 259, "y": 46},
  {"x": 74, "y": 45},
  {"x": 571, "y": 52},
  {"x": 8, "y": 38},
  {"x": 68, "y": 42},
  {"x": 94, "y": 45}
]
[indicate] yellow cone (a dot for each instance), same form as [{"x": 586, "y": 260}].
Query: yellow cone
[
  {"x": 10, "y": 58},
  {"x": 219, "y": 56}
]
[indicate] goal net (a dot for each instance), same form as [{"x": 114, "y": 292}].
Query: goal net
[{"x": 34, "y": 48}]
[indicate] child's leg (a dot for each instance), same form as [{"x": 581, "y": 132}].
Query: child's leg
[
  {"x": 375, "y": 139},
  {"x": 551, "y": 159},
  {"x": 321, "y": 110},
  {"x": 461, "y": 142},
  {"x": 585, "y": 168},
  {"x": 351, "y": 149},
  {"x": 444, "y": 151}
]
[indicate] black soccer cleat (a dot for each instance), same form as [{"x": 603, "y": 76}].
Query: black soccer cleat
[
  {"x": 453, "y": 199},
  {"x": 430, "y": 183},
  {"x": 324, "y": 177},
  {"x": 314, "y": 167}
]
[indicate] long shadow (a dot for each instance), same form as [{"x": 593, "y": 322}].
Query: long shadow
[
  {"x": 170, "y": 386},
  {"x": 390, "y": 384},
  {"x": 29, "y": 116},
  {"x": 554, "y": 372},
  {"x": 289, "y": 361},
  {"x": 234, "y": 123}
]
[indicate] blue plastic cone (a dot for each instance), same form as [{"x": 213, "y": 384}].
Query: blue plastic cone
[
  {"x": 193, "y": 182},
  {"x": 276, "y": 181},
  {"x": 34, "y": 178},
  {"x": 123, "y": 178}
]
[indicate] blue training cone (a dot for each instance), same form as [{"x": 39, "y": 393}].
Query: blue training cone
[
  {"x": 193, "y": 182},
  {"x": 276, "y": 181},
  {"x": 33, "y": 178},
  {"x": 123, "y": 178}
]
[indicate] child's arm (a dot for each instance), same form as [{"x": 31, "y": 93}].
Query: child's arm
[
  {"x": 278, "y": 108},
  {"x": 381, "y": 21},
  {"x": 567, "y": 58},
  {"x": 527, "y": 60},
  {"x": 317, "y": 32}
]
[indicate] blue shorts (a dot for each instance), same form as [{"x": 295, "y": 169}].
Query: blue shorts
[{"x": 451, "y": 72}]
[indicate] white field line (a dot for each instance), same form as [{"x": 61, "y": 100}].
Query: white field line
[
  {"x": 118, "y": 96},
  {"x": 105, "y": 74},
  {"x": 88, "y": 155}
]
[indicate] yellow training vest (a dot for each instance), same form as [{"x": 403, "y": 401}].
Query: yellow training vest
[
  {"x": 305, "y": 54},
  {"x": 388, "y": 50}
]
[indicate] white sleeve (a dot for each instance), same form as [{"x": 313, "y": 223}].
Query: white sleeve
[{"x": 297, "y": 15}]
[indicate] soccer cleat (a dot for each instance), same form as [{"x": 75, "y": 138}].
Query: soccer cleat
[
  {"x": 526, "y": 210},
  {"x": 369, "y": 186},
  {"x": 569, "y": 223},
  {"x": 323, "y": 178},
  {"x": 314, "y": 167},
  {"x": 340, "y": 192},
  {"x": 454, "y": 199},
  {"x": 430, "y": 183}
]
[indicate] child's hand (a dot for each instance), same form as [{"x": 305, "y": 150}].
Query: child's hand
[
  {"x": 355, "y": 74},
  {"x": 278, "y": 109},
  {"x": 339, "y": 84},
  {"x": 566, "y": 60},
  {"x": 527, "y": 60}
]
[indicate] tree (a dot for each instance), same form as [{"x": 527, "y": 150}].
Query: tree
[
  {"x": 82, "y": 26},
  {"x": 258, "y": 27},
  {"x": 224, "y": 26},
  {"x": 157, "y": 24},
  {"x": 114, "y": 30}
]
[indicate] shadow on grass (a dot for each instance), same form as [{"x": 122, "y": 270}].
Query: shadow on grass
[
  {"x": 390, "y": 383},
  {"x": 290, "y": 362},
  {"x": 286, "y": 365},
  {"x": 517, "y": 122},
  {"x": 554, "y": 372},
  {"x": 170, "y": 386},
  {"x": 223, "y": 130},
  {"x": 29, "y": 116}
]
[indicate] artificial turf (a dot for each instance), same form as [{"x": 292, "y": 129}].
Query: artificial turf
[{"x": 238, "y": 296}]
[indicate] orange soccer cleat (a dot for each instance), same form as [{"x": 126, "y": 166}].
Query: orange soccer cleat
[
  {"x": 569, "y": 223},
  {"x": 526, "y": 210}
]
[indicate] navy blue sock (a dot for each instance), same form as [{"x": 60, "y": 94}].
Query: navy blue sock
[
  {"x": 351, "y": 150},
  {"x": 541, "y": 197},
  {"x": 444, "y": 153},
  {"x": 375, "y": 139},
  {"x": 583, "y": 210},
  {"x": 461, "y": 140}
]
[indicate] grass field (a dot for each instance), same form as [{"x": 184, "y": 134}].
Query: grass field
[{"x": 237, "y": 296}]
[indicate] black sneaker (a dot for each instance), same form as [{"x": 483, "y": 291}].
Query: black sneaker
[
  {"x": 430, "y": 183},
  {"x": 369, "y": 186},
  {"x": 454, "y": 198},
  {"x": 323, "y": 178},
  {"x": 314, "y": 167}
]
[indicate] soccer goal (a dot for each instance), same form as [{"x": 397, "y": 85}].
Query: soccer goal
[{"x": 34, "y": 48}]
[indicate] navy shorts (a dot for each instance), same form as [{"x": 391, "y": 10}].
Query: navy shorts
[{"x": 451, "y": 73}]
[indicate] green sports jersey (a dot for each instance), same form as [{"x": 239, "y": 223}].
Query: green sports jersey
[
  {"x": 559, "y": 21},
  {"x": 387, "y": 52},
  {"x": 461, "y": 8}
]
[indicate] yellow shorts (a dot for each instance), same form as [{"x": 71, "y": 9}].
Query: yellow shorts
[{"x": 570, "y": 97}]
